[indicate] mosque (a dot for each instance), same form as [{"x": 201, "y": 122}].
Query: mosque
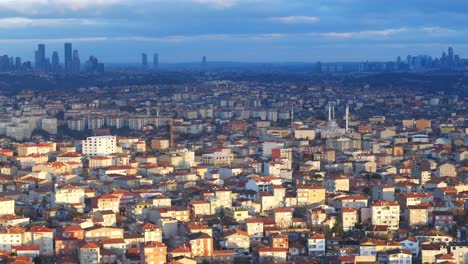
[{"x": 331, "y": 128}]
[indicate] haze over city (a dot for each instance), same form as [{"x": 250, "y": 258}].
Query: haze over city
[{"x": 118, "y": 31}]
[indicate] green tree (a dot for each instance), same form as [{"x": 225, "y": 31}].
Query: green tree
[
  {"x": 368, "y": 176},
  {"x": 37, "y": 260},
  {"x": 338, "y": 229},
  {"x": 222, "y": 213},
  {"x": 453, "y": 230},
  {"x": 366, "y": 191}
]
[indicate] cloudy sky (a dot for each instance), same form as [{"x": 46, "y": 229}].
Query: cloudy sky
[{"x": 235, "y": 30}]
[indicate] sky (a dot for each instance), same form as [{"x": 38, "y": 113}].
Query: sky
[{"x": 118, "y": 31}]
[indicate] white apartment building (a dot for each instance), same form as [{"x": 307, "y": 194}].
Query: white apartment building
[
  {"x": 7, "y": 206},
  {"x": 217, "y": 159},
  {"x": 316, "y": 244},
  {"x": 68, "y": 194},
  {"x": 99, "y": 146},
  {"x": 386, "y": 213},
  {"x": 49, "y": 124}
]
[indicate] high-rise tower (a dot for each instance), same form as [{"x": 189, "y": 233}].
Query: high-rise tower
[
  {"x": 450, "y": 56},
  {"x": 41, "y": 59},
  {"x": 144, "y": 60},
  {"x": 156, "y": 60},
  {"x": 68, "y": 57},
  {"x": 76, "y": 63},
  {"x": 55, "y": 61},
  {"x": 203, "y": 61}
]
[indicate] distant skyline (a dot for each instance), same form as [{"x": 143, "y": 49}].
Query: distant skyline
[{"x": 119, "y": 31}]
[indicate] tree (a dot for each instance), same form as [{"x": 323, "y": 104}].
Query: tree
[
  {"x": 222, "y": 213},
  {"x": 366, "y": 190},
  {"x": 338, "y": 229},
  {"x": 37, "y": 260},
  {"x": 317, "y": 177},
  {"x": 454, "y": 230},
  {"x": 368, "y": 176}
]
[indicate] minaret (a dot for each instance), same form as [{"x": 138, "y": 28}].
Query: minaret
[
  {"x": 292, "y": 116},
  {"x": 329, "y": 112},
  {"x": 347, "y": 118},
  {"x": 333, "y": 111}
]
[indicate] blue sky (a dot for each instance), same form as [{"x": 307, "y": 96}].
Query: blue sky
[{"x": 235, "y": 30}]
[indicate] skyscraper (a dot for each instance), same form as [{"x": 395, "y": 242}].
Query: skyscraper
[
  {"x": 94, "y": 66},
  {"x": 144, "y": 60},
  {"x": 36, "y": 59},
  {"x": 76, "y": 62},
  {"x": 450, "y": 52},
  {"x": 17, "y": 63},
  {"x": 203, "y": 61},
  {"x": 4, "y": 63},
  {"x": 450, "y": 56},
  {"x": 155, "y": 61},
  {"x": 68, "y": 57},
  {"x": 47, "y": 65},
  {"x": 41, "y": 57},
  {"x": 91, "y": 64},
  {"x": 55, "y": 61},
  {"x": 318, "y": 67}
]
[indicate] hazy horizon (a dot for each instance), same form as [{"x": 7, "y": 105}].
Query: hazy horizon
[{"x": 251, "y": 31}]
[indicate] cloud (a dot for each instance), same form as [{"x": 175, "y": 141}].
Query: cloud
[
  {"x": 334, "y": 34},
  {"x": 159, "y": 39},
  {"x": 23, "y": 22},
  {"x": 51, "y": 40},
  {"x": 95, "y": 7},
  {"x": 428, "y": 31},
  {"x": 171, "y": 38},
  {"x": 203, "y": 37},
  {"x": 366, "y": 34},
  {"x": 217, "y": 3},
  {"x": 295, "y": 19},
  {"x": 383, "y": 32},
  {"x": 326, "y": 36},
  {"x": 37, "y": 7},
  {"x": 439, "y": 31},
  {"x": 362, "y": 34}
]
